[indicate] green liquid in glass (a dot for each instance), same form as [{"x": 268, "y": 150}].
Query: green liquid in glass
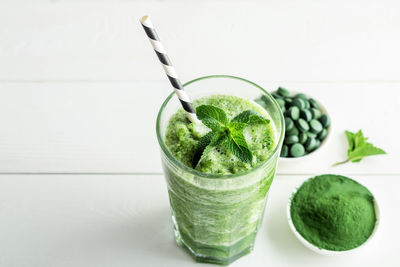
[{"x": 217, "y": 219}]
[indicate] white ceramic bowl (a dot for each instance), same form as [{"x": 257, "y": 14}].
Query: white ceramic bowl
[
  {"x": 323, "y": 143},
  {"x": 325, "y": 251}
]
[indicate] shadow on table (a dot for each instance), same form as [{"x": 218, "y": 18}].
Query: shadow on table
[
  {"x": 153, "y": 235},
  {"x": 281, "y": 236},
  {"x": 147, "y": 240}
]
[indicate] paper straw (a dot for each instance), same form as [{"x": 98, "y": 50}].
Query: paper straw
[{"x": 168, "y": 68}]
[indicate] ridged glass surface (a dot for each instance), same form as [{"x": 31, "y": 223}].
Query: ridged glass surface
[{"x": 217, "y": 220}]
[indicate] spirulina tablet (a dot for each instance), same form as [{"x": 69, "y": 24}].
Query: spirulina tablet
[
  {"x": 297, "y": 150},
  {"x": 276, "y": 96},
  {"x": 310, "y": 144},
  {"x": 283, "y": 92},
  {"x": 293, "y": 131},
  {"x": 301, "y": 95},
  {"x": 325, "y": 121},
  {"x": 294, "y": 113},
  {"x": 313, "y": 103},
  {"x": 288, "y": 102},
  {"x": 281, "y": 102},
  {"x": 307, "y": 104},
  {"x": 302, "y": 138},
  {"x": 316, "y": 126},
  {"x": 285, "y": 151},
  {"x": 288, "y": 123},
  {"x": 312, "y": 135},
  {"x": 305, "y": 114},
  {"x": 291, "y": 139},
  {"x": 265, "y": 98},
  {"x": 298, "y": 102},
  {"x": 323, "y": 134},
  {"x": 315, "y": 113},
  {"x": 303, "y": 125}
]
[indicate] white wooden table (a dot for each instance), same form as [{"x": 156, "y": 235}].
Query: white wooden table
[{"x": 80, "y": 175}]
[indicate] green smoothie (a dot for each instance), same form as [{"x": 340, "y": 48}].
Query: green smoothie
[
  {"x": 217, "y": 217},
  {"x": 182, "y": 137}
]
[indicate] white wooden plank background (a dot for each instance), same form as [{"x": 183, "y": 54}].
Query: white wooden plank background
[
  {"x": 270, "y": 40},
  {"x": 107, "y": 127},
  {"x": 74, "y": 75},
  {"x": 73, "y": 79}
]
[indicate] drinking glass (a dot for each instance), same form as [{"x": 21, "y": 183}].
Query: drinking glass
[{"x": 216, "y": 217}]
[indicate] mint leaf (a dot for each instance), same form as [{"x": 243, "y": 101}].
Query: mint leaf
[
  {"x": 359, "y": 148},
  {"x": 236, "y": 126},
  {"x": 249, "y": 117},
  {"x": 257, "y": 119},
  {"x": 237, "y": 145},
  {"x": 350, "y": 140},
  {"x": 243, "y": 116},
  {"x": 212, "y": 117},
  {"x": 201, "y": 146},
  {"x": 365, "y": 150},
  {"x": 209, "y": 140},
  {"x": 225, "y": 132},
  {"x": 218, "y": 138},
  {"x": 359, "y": 139}
]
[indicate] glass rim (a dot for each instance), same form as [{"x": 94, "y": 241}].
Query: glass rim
[{"x": 210, "y": 175}]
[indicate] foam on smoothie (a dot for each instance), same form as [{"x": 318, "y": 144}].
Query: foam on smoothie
[{"x": 182, "y": 137}]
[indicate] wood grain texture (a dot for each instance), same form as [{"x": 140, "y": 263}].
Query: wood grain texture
[
  {"x": 94, "y": 220},
  {"x": 73, "y": 75},
  {"x": 281, "y": 40},
  {"x": 73, "y": 79},
  {"x": 109, "y": 127}
]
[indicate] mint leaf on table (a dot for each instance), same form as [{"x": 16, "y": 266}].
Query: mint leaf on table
[
  {"x": 359, "y": 148},
  {"x": 367, "y": 149},
  {"x": 350, "y": 140},
  {"x": 225, "y": 132}
]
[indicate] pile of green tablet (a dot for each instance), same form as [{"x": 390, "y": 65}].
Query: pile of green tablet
[{"x": 306, "y": 126}]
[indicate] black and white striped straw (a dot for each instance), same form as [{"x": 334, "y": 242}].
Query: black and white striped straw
[{"x": 168, "y": 68}]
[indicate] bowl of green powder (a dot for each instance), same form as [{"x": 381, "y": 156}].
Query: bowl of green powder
[{"x": 332, "y": 214}]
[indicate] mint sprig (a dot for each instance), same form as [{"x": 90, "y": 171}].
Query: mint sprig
[
  {"x": 212, "y": 117},
  {"x": 359, "y": 148},
  {"x": 249, "y": 116},
  {"x": 225, "y": 132},
  {"x": 236, "y": 144}
]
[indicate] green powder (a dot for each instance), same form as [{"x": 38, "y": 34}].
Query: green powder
[{"x": 333, "y": 212}]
